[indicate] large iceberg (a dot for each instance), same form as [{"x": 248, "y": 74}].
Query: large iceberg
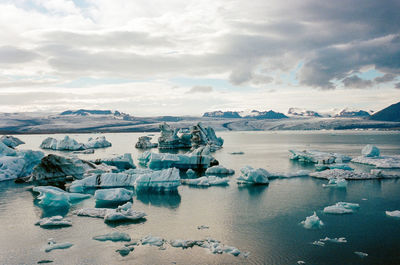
[
  {"x": 250, "y": 175},
  {"x": 219, "y": 170},
  {"x": 11, "y": 141},
  {"x": 121, "y": 162},
  {"x": 312, "y": 222},
  {"x": 70, "y": 144},
  {"x": 116, "y": 195},
  {"x": 55, "y": 197},
  {"x": 318, "y": 157},
  {"x": 164, "y": 180},
  {"x": 371, "y": 156},
  {"x": 341, "y": 208},
  {"x": 342, "y": 174},
  {"x": 181, "y": 161},
  {"x": 54, "y": 221},
  {"x": 122, "y": 213},
  {"x": 207, "y": 181},
  {"x": 202, "y": 136},
  {"x": 173, "y": 138},
  {"x": 144, "y": 143}
]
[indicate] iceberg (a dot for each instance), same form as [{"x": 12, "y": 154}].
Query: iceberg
[
  {"x": 11, "y": 141},
  {"x": 336, "y": 183},
  {"x": 342, "y": 174},
  {"x": 181, "y": 243},
  {"x": 144, "y": 143},
  {"x": 6, "y": 151},
  {"x": 219, "y": 170},
  {"x": 52, "y": 245},
  {"x": 384, "y": 162},
  {"x": 321, "y": 167},
  {"x": 312, "y": 222},
  {"x": 124, "y": 251},
  {"x": 98, "y": 142},
  {"x": 122, "y": 213},
  {"x": 152, "y": 241},
  {"x": 55, "y": 221},
  {"x": 370, "y": 151},
  {"x": 206, "y": 181},
  {"x": 54, "y": 197},
  {"x": 202, "y": 136},
  {"x": 250, "y": 175},
  {"x": 170, "y": 139},
  {"x": 190, "y": 173},
  {"x": 181, "y": 161},
  {"x": 163, "y": 180},
  {"x": 115, "y": 236},
  {"x": 341, "y": 208},
  {"x": 395, "y": 213},
  {"x": 318, "y": 157},
  {"x": 113, "y": 195},
  {"x": 122, "y": 162}
]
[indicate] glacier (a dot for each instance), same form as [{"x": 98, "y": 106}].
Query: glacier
[
  {"x": 341, "y": 208},
  {"x": 250, "y": 175},
  {"x": 312, "y": 222},
  {"x": 115, "y": 195}
]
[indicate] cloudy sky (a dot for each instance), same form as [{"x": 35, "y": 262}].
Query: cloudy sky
[{"x": 184, "y": 57}]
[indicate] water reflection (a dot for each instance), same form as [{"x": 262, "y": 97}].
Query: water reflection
[
  {"x": 253, "y": 190},
  {"x": 169, "y": 200}
]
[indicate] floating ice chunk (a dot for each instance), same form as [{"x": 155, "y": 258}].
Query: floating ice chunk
[
  {"x": 113, "y": 195},
  {"x": 54, "y": 197},
  {"x": 98, "y": 142},
  {"x": 205, "y": 136},
  {"x": 387, "y": 162},
  {"x": 361, "y": 254},
  {"x": 219, "y": 170},
  {"x": 314, "y": 156},
  {"x": 237, "y": 153},
  {"x": 115, "y": 236},
  {"x": 144, "y": 143},
  {"x": 6, "y": 151},
  {"x": 216, "y": 247},
  {"x": 342, "y": 174},
  {"x": 341, "y": 208},
  {"x": 122, "y": 162},
  {"x": 152, "y": 240},
  {"x": 321, "y": 167},
  {"x": 124, "y": 251},
  {"x": 66, "y": 144},
  {"x": 322, "y": 241},
  {"x": 105, "y": 180},
  {"x": 201, "y": 227},
  {"x": 250, "y": 175},
  {"x": 395, "y": 213},
  {"x": 20, "y": 165},
  {"x": 55, "y": 221},
  {"x": 294, "y": 174},
  {"x": 231, "y": 250},
  {"x": 301, "y": 262},
  {"x": 319, "y": 243},
  {"x": 91, "y": 212},
  {"x": 181, "y": 243},
  {"x": 52, "y": 245},
  {"x": 87, "y": 151},
  {"x": 336, "y": 183},
  {"x": 370, "y": 151},
  {"x": 11, "y": 141},
  {"x": 123, "y": 213},
  {"x": 181, "y": 161},
  {"x": 163, "y": 180},
  {"x": 170, "y": 139},
  {"x": 190, "y": 173},
  {"x": 207, "y": 181},
  {"x": 312, "y": 222}
]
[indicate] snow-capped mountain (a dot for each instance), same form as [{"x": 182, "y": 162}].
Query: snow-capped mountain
[
  {"x": 391, "y": 113},
  {"x": 222, "y": 114},
  {"x": 303, "y": 113}
]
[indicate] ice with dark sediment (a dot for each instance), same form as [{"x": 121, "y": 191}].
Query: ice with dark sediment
[
  {"x": 193, "y": 160},
  {"x": 249, "y": 175},
  {"x": 318, "y": 157},
  {"x": 202, "y": 136},
  {"x": 144, "y": 142}
]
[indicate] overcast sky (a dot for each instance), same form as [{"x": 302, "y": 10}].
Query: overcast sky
[{"x": 186, "y": 57}]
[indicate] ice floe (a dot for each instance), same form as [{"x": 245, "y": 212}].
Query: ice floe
[
  {"x": 54, "y": 221},
  {"x": 181, "y": 243},
  {"x": 371, "y": 156},
  {"x": 70, "y": 144},
  {"x": 115, "y": 236},
  {"x": 54, "y": 197},
  {"x": 121, "y": 162},
  {"x": 342, "y": 208},
  {"x": 11, "y": 141},
  {"x": 181, "y": 161},
  {"x": 163, "y": 180},
  {"x": 122, "y": 213},
  {"x": 312, "y": 222},
  {"x": 206, "y": 181},
  {"x": 52, "y": 245},
  {"x": 124, "y": 251},
  {"x": 219, "y": 170},
  {"x": 152, "y": 241},
  {"x": 318, "y": 157},
  {"x": 322, "y": 241},
  {"x": 144, "y": 143},
  {"x": 115, "y": 195},
  {"x": 250, "y": 175},
  {"x": 336, "y": 183},
  {"x": 293, "y": 174},
  {"x": 395, "y": 213},
  {"x": 321, "y": 167},
  {"x": 342, "y": 174}
]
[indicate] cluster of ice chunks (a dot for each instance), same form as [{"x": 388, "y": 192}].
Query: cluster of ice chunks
[
  {"x": 371, "y": 156},
  {"x": 253, "y": 176},
  {"x": 342, "y": 174},
  {"x": 144, "y": 143},
  {"x": 318, "y": 157},
  {"x": 16, "y": 163},
  {"x": 121, "y": 213},
  {"x": 323, "y": 241},
  {"x": 70, "y": 144}
]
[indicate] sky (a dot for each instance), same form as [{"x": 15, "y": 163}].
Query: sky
[{"x": 157, "y": 57}]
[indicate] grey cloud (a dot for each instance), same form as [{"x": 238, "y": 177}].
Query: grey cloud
[
  {"x": 356, "y": 82},
  {"x": 14, "y": 55},
  {"x": 200, "y": 89},
  {"x": 385, "y": 78},
  {"x": 397, "y": 85}
]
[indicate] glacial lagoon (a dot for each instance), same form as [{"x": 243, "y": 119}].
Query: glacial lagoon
[{"x": 261, "y": 220}]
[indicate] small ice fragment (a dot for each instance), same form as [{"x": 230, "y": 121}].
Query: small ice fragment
[
  {"x": 250, "y": 175},
  {"x": 113, "y": 236},
  {"x": 237, "y": 153},
  {"x": 152, "y": 240},
  {"x": 361, "y": 254},
  {"x": 301, "y": 262},
  {"x": 52, "y": 245},
  {"x": 395, "y": 213},
  {"x": 219, "y": 170},
  {"x": 312, "y": 222}
]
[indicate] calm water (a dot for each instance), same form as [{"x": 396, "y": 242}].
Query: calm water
[{"x": 261, "y": 220}]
